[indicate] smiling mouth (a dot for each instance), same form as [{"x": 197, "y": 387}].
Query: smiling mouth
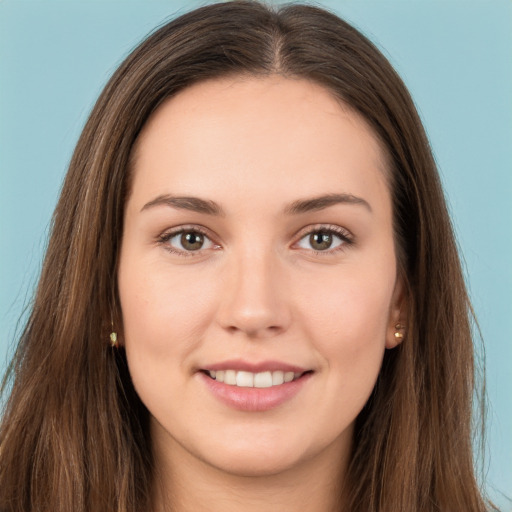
[{"x": 245, "y": 379}]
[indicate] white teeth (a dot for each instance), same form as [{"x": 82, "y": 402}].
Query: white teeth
[
  {"x": 245, "y": 379},
  {"x": 263, "y": 380},
  {"x": 288, "y": 376},
  {"x": 230, "y": 377},
  {"x": 257, "y": 380},
  {"x": 277, "y": 378}
]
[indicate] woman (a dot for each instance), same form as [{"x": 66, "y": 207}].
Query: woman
[{"x": 252, "y": 295}]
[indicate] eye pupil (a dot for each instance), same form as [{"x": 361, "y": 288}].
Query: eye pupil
[
  {"x": 192, "y": 241},
  {"x": 320, "y": 240}
]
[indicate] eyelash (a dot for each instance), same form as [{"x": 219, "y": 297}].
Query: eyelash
[
  {"x": 165, "y": 237},
  {"x": 347, "y": 239}
]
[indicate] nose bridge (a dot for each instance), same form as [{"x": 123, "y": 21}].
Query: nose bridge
[{"x": 254, "y": 302}]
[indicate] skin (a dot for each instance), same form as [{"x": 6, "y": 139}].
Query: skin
[{"x": 256, "y": 290}]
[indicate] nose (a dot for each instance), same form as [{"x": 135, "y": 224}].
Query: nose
[{"x": 255, "y": 299}]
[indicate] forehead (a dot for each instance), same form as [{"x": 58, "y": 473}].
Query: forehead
[{"x": 257, "y": 135}]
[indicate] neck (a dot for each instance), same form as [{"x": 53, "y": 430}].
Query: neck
[{"x": 184, "y": 483}]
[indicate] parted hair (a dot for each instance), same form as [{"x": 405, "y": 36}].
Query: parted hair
[{"x": 74, "y": 435}]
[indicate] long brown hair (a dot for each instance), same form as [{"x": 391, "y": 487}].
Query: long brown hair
[{"x": 74, "y": 434}]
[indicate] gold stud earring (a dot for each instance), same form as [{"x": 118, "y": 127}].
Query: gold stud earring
[
  {"x": 113, "y": 335},
  {"x": 399, "y": 335}
]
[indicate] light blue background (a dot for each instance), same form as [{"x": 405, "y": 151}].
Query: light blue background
[{"x": 456, "y": 58}]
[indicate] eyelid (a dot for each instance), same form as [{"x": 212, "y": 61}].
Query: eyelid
[
  {"x": 344, "y": 234},
  {"x": 167, "y": 235}
]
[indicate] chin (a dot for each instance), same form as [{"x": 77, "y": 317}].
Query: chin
[
  {"x": 252, "y": 464},
  {"x": 264, "y": 455}
]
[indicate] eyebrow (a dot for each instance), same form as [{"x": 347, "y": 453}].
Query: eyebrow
[
  {"x": 209, "y": 207},
  {"x": 322, "y": 202},
  {"x": 194, "y": 204}
]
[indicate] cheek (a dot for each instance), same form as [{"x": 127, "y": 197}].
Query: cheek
[
  {"x": 164, "y": 312},
  {"x": 351, "y": 304},
  {"x": 165, "y": 315},
  {"x": 347, "y": 319}
]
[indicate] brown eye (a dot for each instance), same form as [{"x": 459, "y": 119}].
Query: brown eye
[
  {"x": 187, "y": 242},
  {"x": 325, "y": 239},
  {"x": 191, "y": 240},
  {"x": 320, "y": 240}
]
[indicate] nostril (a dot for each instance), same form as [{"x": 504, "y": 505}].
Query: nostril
[{"x": 255, "y": 331}]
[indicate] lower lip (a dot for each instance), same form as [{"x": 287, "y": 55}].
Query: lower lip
[{"x": 254, "y": 399}]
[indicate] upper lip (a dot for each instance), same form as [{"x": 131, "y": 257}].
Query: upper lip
[{"x": 248, "y": 366}]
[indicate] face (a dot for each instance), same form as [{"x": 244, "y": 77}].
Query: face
[{"x": 257, "y": 275}]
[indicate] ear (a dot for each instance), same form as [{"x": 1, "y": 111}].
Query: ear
[{"x": 397, "y": 320}]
